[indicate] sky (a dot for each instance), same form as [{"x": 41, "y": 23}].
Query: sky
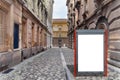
[{"x": 59, "y": 9}]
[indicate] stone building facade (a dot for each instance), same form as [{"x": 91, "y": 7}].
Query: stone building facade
[
  {"x": 70, "y": 22},
  {"x": 60, "y": 30},
  {"x": 99, "y": 14},
  {"x": 49, "y": 4},
  {"x": 23, "y": 29}
]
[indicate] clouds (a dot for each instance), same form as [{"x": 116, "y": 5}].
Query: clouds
[{"x": 59, "y": 9}]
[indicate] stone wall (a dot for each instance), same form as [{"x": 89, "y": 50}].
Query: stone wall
[
  {"x": 30, "y": 18},
  {"x": 14, "y": 16},
  {"x": 103, "y": 15}
]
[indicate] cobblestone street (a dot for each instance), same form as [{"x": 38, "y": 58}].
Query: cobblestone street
[
  {"x": 44, "y": 66},
  {"x": 113, "y": 72},
  {"x": 48, "y": 65},
  {"x": 59, "y": 39}
]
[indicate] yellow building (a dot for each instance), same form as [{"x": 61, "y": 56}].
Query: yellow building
[{"x": 60, "y": 30}]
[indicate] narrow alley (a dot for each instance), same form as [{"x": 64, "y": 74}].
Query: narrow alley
[
  {"x": 44, "y": 66},
  {"x": 49, "y": 65},
  {"x": 38, "y": 39}
]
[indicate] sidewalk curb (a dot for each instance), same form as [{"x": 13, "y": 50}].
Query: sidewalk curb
[
  {"x": 68, "y": 73},
  {"x": 24, "y": 62}
]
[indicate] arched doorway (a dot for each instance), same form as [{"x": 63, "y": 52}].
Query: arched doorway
[
  {"x": 102, "y": 26},
  {"x": 102, "y": 23}
]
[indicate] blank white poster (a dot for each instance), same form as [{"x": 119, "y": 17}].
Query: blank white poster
[{"x": 91, "y": 53}]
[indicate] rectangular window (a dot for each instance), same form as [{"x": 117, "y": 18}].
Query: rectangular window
[
  {"x": 16, "y": 36},
  {"x": 33, "y": 5},
  {"x": 3, "y": 31},
  {"x": 32, "y": 34},
  {"x": 24, "y": 33},
  {"x": 38, "y": 36}
]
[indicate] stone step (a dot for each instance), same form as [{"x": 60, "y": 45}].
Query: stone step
[
  {"x": 115, "y": 55},
  {"x": 114, "y": 63},
  {"x": 112, "y": 68}
]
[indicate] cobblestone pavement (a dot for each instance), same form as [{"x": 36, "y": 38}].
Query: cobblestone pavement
[
  {"x": 113, "y": 72},
  {"x": 44, "y": 66},
  {"x": 48, "y": 66}
]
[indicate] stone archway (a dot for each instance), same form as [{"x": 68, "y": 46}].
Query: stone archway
[
  {"x": 102, "y": 23},
  {"x": 102, "y": 26}
]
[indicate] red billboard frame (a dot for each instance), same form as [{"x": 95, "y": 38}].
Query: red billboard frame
[{"x": 105, "y": 51}]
